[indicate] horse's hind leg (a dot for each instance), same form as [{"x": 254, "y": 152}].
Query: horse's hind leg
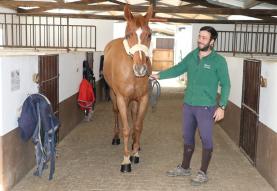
[{"x": 116, "y": 139}]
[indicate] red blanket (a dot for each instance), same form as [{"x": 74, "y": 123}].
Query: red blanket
[{"x": 86, "y": 95}]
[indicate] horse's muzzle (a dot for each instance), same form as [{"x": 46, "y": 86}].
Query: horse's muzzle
[{"x": 140, "y": 70}]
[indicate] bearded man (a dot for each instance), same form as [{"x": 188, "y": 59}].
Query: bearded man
[{"x": 206, "y": 70}]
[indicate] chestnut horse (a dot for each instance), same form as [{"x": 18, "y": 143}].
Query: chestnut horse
[{"x": 126, "y": 70}]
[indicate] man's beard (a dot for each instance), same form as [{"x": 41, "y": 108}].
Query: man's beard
[{"x": 205, "y": 48}]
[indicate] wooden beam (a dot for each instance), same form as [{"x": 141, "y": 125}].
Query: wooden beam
[
  {"x": 273, "y": 2},
  {"x": 153, "y": 3},
  {"x": 85, "y": 1},
  {"x": 173, "y": 9},
  {"x": 260, "y": 13},
  {"x": 211, "y": 5},
  {"x": 156, "y": 19},
  {"x": 219, "y": 11},
  {"x": 251, "y": 4},
  {"x": 191, "y": 5},
  {"x": 203, "y": 3},
  {"x": 10, "y": 7},
  {"x": 117, "y": 2}
]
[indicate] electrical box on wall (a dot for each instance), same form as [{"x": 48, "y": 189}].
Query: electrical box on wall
[
  {"x": 35, "y": 78},
  {"x": 15, "y": 80},
  {"x": 263, "y": 82}
]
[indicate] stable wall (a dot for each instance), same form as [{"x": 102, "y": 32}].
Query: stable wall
[
  {"x": 17, "y": 156},
  {"x": 14, "y": 160},
  {"x": 70, "y": 68},
  {"x": 13, "y": 100},
  {"x": 266, "y": 162}
]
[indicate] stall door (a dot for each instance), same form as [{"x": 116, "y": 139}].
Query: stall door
[
  {"x": 49, "y": 81},
  {"x": 250, "y": 108}
]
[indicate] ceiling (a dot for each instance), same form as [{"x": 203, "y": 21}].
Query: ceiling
[{"x": 180, "y": 11}]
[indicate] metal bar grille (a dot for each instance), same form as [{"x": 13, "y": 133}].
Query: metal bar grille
[
  {"x": 248, "y": 39},
  {"x": 44, "y": 32}
]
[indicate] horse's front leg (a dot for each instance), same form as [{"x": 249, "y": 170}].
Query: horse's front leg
[
  {"x": 134, "y": 112},
  {"x": 138, "y": 126},
  {"x": 122, "y": 107}
]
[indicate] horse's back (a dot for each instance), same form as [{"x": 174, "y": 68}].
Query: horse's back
[
  {"x": 113, "y": 54},
  {"x": 112, "y": 47}
]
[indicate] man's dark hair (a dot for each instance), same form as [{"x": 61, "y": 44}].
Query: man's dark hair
[{"x": 211, "y": 30}]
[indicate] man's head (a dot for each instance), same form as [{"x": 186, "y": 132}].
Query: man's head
[{"x": 206, "y": 38}]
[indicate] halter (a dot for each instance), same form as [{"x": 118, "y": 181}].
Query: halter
[{"x": 137, "y": 47}]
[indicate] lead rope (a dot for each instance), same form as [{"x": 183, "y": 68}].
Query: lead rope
[{"x": 154, "y": 92}]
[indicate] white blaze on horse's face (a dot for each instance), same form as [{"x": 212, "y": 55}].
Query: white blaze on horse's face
[{"x": 138, "y": 32}]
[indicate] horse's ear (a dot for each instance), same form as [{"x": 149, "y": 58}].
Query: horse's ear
[
  {"x": 127, "y": 13},
  {"x": 149, "y": 13}
]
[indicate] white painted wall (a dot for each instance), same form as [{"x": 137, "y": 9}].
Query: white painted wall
[
  {"x": 11, "y": 101},
  {"x": 119, "y": 29},
  {"x": 183, "y": 42},
  {"x": 1, "y": 100},
  {"x": 268, "y": 101},
  {"x": 6, "y": 10},
  {"x": 235, "y": 66},
  {"x": 71, "y": 74},
  {"x": 70, "y": 69}
]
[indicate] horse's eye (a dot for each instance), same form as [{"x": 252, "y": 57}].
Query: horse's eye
[
  {"x": 149, "y": 36},
  {"x": 127, "y": 36}
]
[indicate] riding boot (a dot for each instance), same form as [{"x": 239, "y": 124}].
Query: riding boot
[
  {"x": 188, "y": 151},
  {"x": 206, "y": 157}
]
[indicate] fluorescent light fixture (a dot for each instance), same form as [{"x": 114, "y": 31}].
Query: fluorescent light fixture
[
  {"x": 241, "y": 17},
  {"x": 64, "y": 11},
  {"x": 28, "y": 8}
]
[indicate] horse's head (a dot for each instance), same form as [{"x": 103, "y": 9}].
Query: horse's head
[{"x": 137, "y": 39}]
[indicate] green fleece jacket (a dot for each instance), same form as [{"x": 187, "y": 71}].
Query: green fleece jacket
[{"x": 204, "y": 76}]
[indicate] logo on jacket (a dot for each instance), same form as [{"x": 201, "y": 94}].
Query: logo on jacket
[{"x": 207, "y": 66}]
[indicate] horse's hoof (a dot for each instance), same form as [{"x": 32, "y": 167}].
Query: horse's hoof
[
  {"x": 134, "y": 159},
  {"x": 116, "y": 142},
  {"x": 126, "y": 168}
]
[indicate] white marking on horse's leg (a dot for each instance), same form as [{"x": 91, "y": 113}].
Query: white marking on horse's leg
[
  {"x": 136, "y": 154},
  {"x": 126, "y": 160}
]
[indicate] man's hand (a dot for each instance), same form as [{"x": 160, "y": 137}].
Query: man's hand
[
  {"x": 155, "y": 76},
  {"x": 219, "y": 114}
]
